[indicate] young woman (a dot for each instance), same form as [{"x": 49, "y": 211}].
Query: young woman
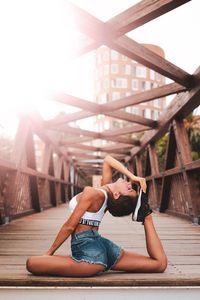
[{"x": 91, "y": 253}]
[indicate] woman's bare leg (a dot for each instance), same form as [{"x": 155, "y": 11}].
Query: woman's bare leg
[
  {"x": 61, "y": 266},
  {"x": 157, "y": 260}
]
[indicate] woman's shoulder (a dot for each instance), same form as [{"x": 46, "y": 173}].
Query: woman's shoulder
[{"x": 93, "y": 191}]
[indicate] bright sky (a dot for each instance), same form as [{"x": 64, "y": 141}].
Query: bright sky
[{"x": 37, "y": 39}]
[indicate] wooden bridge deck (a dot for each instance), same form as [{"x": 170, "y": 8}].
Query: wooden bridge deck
[{"x": 33, "y": 234}]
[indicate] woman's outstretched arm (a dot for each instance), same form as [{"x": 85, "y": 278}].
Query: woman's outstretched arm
[
  {"x": 70, "y": 225},
  {"x": 110, "y": 162}
]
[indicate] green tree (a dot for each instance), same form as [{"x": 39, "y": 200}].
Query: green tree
[
  {"x": 192, "y": 125},
  {"x": 161, "y": 146}
]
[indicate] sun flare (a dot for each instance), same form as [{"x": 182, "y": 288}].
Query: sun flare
[{"x": 39, "y": 41}]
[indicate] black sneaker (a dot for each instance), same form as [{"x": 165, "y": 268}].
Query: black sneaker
[{"x": 142, "y": 208}]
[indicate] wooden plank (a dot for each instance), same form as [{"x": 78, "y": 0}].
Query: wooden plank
[
  {"x": 122, "y": 140},
  {"x": 77, "y": 102},
  {"x": 97, "y": 108},
  {"x": 32, "y": 235},
  {"x": 122, "y": 115},
  {"x": 97, "y": 30},
  {"x": 146, "y": 96},
  {"x": 78, "y": 131},
  {"x": 68, "y": 118},
  {"x": 182, "y": 141},
  {"x": 79, "y": 146},
  {"x": 141, "y": 13},
  {"x": 150, "y": 59},
  {"x": 137, "y": 98},
  {"x": 125, "y": 130}
]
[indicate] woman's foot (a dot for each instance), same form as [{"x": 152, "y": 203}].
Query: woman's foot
[{"x": 142, "y": 209}]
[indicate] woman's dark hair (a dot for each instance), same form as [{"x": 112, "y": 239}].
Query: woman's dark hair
[{"x": 123, "y": 206}]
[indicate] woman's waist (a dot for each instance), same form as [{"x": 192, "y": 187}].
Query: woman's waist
[{"x": 83, "y": 228}]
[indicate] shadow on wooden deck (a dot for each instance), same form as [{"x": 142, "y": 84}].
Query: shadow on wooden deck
[{"x": 33, "y": 235}]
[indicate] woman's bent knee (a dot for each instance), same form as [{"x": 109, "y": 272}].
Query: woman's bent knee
[{"x": 30, "y": 264}]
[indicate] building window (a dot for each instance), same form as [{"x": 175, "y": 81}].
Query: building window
[
  {"x": 116, "y": 124},
  {"x": 133, "y": 70},
  {"x": 135, "y": 110},
  {"x": 120, "y": 83},
  {"x": 156, "y": 114},
  {"x": 126, "y": 69},
  {"x": 158, "y": 76},
  {"x": 152, "y": 75},
  {"x": 114, "y": 69},
  {"x": 145, "y": 85},
  {"x": 128, "y": 109},
  {"x": 115, "y": 95},
  {"x": 134, "y": 84},
  {"x": 140, "y": 71},
  {"x": 157, "y": 103},
  {"x": 114, "y": 55},
  {"x": 147, "y": 113},
  {"x": 124, "y": 57}
]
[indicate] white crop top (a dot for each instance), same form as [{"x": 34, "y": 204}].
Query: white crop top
[{"x": 90, "y": 218}]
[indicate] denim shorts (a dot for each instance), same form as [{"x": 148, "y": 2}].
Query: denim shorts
[{"x": 89, "y": 246}]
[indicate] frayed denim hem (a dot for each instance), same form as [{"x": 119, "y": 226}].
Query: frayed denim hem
[{"x": 90, "y": 262}]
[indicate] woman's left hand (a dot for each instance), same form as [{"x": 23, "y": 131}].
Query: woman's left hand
[{"x": 142, "y": 182}]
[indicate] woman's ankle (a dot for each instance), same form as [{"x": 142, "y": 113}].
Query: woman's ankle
[{"x": 148, "y": 218}]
